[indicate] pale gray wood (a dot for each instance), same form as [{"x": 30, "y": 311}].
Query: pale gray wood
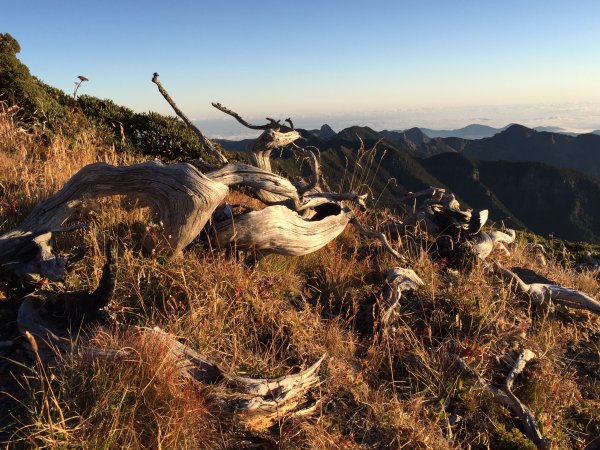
[
  {"x": 507, "y": 399},
  {"x": 542, "y": 293},
  {"x": 277, "y": 229},
  {"x": 206, "y": 143},
  {"x": 181, "y": 197},
  {"x": 484, "y": 242},
  {"x": 398, "y": 281}
]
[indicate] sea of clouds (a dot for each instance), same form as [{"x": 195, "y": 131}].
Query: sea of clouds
[{"x": 578, "y": 118}]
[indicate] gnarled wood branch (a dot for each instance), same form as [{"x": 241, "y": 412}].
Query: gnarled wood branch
[
  {"x": 258, "y": 402},
  {"x": 484, "y": 242},
  {"x": 277, "y": 229},
  {"x": 377, "y": 235},
  {"x": 507, "y": 399},
  {"x": 182, "y": 198},
  {"x": 543, "y": 293}
]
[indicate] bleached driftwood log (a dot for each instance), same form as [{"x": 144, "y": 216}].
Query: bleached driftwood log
[
  {"x": 398, "y": 281},
  {"x": 506, "y": 398},
  {"x": 181, "y": 197},
  {"x": 543, "y": 293},
  {"x": 183, "y": 200}
]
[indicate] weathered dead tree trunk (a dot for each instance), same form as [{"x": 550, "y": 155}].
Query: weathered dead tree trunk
[
  {"x": 183, "y": 200},
  {"x": 543, "y": 293},
  {"x": 181, "y": 197}
]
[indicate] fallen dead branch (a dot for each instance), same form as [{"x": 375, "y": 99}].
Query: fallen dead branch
[
  {"x": 543, "y": 293},
  {"x": 66, "y": 322},
  {"x": 506, "y": 398}
]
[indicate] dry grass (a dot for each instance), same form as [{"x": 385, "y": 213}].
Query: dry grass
[{"x": 380, "y": 390}]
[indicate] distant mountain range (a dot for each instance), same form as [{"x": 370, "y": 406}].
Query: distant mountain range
[
  {"x": 473, "y": 131},
  {"x": 544, "y": 181},
  {"x": 476, "y": 131}
]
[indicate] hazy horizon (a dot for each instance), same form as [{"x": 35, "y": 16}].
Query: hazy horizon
[{"x": 582, "y": 118}]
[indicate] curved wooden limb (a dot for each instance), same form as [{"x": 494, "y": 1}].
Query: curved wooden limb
[
  {"x": 484, "y": 243},
  {"x": 398, "y": 281},
  {"x": 277, "y": 229},
  {"x": 541, "y": 293},
  {"x": 57, "y": 320},
  {"x": 269, "y": 187},
  {"x": 312, "y": 200},
  {"x": 181, "y": 197},
  {"x": 377, "y": 235},
  {"x": 258, "y": 402},
  {"x": 315, "y": 169},
  {"x": 239, "y": 118}
]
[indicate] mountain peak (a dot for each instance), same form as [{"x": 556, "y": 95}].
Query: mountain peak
[
  {"x": 517, "y": 130},
  {"x": 416, "y": 135},
  {"x": 325, "y": 132}
]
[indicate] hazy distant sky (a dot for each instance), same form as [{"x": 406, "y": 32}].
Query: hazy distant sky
[{"x": 388, "y": 64}]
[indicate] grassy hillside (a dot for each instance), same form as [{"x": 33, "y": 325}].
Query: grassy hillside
[
  {"x": 53, "y": 113},
  {"x": 379, "y": 390}
]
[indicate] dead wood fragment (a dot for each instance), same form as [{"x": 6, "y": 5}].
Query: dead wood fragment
[
  {"x": 543, "y": 293},
  {"x": 258, "y": 402},
  {"x": 431, "y": 192},
  {"x": 484, "y": 242},
  {"x": 377, "y": 235},
  {"x": 506, "y": 398},
  {"x": 398, "y": 281}
]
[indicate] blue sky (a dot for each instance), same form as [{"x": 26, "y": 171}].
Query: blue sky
[{"x": 440, "y": 62}]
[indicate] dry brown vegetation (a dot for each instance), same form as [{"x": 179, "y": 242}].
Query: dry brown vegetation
[{"x": 394, "y": 389}]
